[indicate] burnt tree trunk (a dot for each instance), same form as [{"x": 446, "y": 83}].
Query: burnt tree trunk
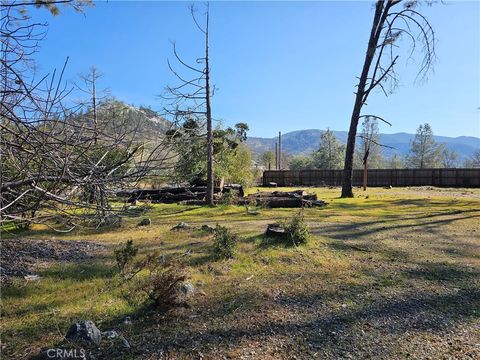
[{"x": 378, "y": 21}]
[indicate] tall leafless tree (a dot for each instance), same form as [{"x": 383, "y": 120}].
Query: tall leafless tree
[
  {"x": 191, "y": 100},
  {"x": 392, "y": 22},
  {"x": 90, "y": 87}
]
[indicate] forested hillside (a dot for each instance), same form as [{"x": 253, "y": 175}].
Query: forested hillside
[{"x": 306, "y": 141}]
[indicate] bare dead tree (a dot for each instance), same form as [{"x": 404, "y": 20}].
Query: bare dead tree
[
  {"x": 391, "y": 24},
  {"x": 370, "y": 140},
  {"x": 89, "y": 87},
  {"x": 191, "y": 99}
]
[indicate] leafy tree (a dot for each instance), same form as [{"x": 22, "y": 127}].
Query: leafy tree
[
  {"x": 189, "y": 145},
  {"x": 241, "y": 131},
  {"x": 235, "y": 165},
  {"x": 300, "y": 162},
  {"x": 330, "y": 152},
  {"x": 233, "y": 160},
  {"x": 424, "y": 150},
  {"x": 474, "y": 160},
  {"x": 395, "y": 162},
  {"x": 268, "y": 159},
  {"x": 449, "y": 157}
]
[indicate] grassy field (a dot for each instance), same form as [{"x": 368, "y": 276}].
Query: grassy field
[{"x": 392, "y": 273}]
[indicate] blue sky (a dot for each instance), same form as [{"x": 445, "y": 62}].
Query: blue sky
[{"x": 279, "y": 66}]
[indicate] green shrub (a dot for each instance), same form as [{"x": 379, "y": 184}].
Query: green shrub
[
  {"x": 224, "y": 243},
  {"x": 297, "y": 230},
  {"x": 292, "y": 233},
  {"x": 230, "y": 198},
  {"x": 125, "y": 254}
]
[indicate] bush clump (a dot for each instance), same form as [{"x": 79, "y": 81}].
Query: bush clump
[
  {"x": 296, "y": 230},
  {"x": 292, "y": 233},
  {"x": 224, "y": 243},
  {"x": 163, "y": 282},
  {"x": 125, "y": 255},
  {"x": 158, "y": 280},
  {"x": 230, "y": 198}
]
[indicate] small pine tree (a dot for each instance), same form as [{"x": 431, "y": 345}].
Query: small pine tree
[
  {"x": 424, "y": 150},
  {"x": 224, "y": 243},
  {"x": 330, "y": 152}
]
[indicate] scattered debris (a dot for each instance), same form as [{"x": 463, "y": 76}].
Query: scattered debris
[
  {"x": 32, "y": 277},
  {"x": 23, "y": 257},
  {"x": 275, "y": 230},
  {"x": 187, "y": 289},
  {"x": 110, "y": 334},
  {"x": 184, "y": 226},
  {"x": 195, "y": 195},
  {"x": 234, "y": 187},
  {"x": 127, "y": 320},
  {"x": 169, "y": 195},
  {"x": 145, "y": 222},
  {"x": 252, "y": 211},
  {"x": 283, "y": 199},
  {"x": 180, "y": 226},
  {"x": 125, "y": 343},
  {"x": 84, "y": 331}
]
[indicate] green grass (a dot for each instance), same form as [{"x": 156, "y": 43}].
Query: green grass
[{"x": 383, "y": 240}]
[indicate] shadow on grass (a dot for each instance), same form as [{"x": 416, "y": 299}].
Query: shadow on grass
[
  {"x": 79, "y": 271},
  {"x": 35, "y": 233},
  {"x": 444, "y": 272},
  {"x": 283, "y": 242},
  {"x": 238, "y": 314},
  {"x": 167, "y": 212},
  {"x": 135, "y": 211},
  {"x": 390, "y": 318},
  {"x": 358, "y": 229},
  {"x": 202, "y": 259}
]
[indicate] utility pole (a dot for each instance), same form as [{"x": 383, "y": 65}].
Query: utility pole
[
  {"x": 279, "y": 150},
  {"x": 276, "y": 156}
]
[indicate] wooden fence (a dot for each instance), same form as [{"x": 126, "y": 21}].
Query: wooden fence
[{"x": 377, "y": 177}]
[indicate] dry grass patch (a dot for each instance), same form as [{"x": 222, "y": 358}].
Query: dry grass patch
[{"x": 390, "y": 274}]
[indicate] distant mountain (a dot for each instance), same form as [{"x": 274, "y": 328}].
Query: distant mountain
[
  {"x": 148, "y": 125},
  {"x": 145, "y": 123},
  {"x": 306, "y": 141}
]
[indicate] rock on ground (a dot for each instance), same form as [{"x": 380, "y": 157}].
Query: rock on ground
[{"x": 84, "y": 331}]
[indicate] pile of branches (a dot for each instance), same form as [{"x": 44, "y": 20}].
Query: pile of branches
[
  {"x": 60, "y": 160},
  {"x": 195, "y": 195},
  {"x": 192, "y": 195},
  {"x": 283, "y": 199}
]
